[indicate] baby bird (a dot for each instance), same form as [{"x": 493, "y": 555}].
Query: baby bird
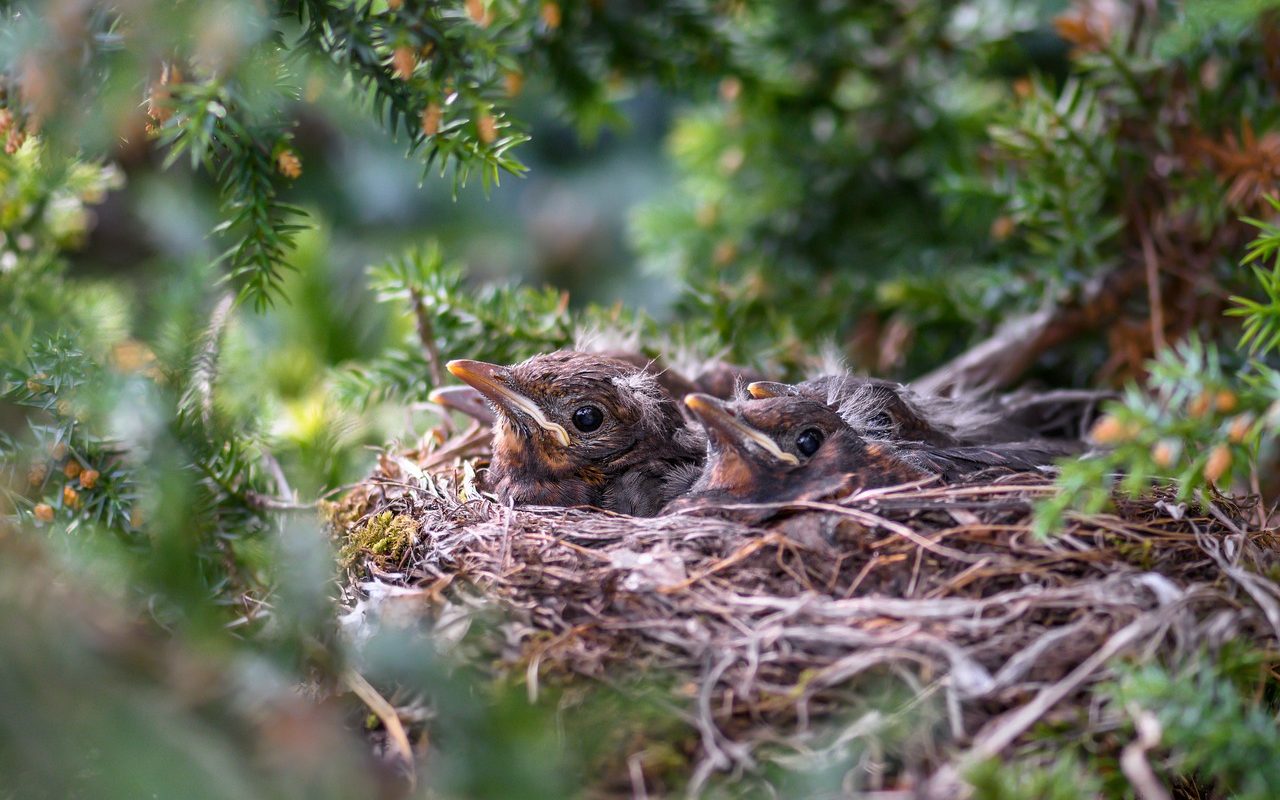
[
  {"x": 792, "y": 447},
  {"x": 582, "y": 429},
  {"x": 882, "y": 409},
  {"x": 785, "y": 448}
]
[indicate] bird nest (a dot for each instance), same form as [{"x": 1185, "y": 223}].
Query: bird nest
[{"x": 783, "y": 623}]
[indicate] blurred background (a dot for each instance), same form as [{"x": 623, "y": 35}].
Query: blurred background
[{"x": 564, "y": 224}]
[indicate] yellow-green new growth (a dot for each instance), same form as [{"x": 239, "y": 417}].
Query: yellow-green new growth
[{"x": 386, "y": 537}]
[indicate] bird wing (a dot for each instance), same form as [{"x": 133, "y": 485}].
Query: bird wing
[
  {"x": 954, "y": 462},
  {"x": 1067, "y": 413}
]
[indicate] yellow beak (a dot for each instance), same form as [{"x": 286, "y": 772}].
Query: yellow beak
[
  {"x": 490, "y": 380},
  {"x": 762, "y": 390},
  {"x": 713, "y": 415}
]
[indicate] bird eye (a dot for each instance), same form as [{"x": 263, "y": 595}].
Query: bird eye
[
  {"x": 809, "y": 440},
  {"x": 588, "y": 418}
]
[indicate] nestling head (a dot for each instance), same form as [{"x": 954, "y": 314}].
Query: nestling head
[
  {"x": 783, "y": 447},
  {"x": 580, "y": 429}
]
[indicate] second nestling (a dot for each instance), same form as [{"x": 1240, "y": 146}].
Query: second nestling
[{"x": 793, "y": 448}]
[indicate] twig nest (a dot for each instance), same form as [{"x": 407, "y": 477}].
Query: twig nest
[{"x": 775, "y": 617}]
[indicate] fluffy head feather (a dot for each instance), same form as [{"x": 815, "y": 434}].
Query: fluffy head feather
[{"x": 881, "y": 409}]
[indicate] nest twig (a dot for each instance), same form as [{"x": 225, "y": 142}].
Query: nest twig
[{"x": 773, "y": 612}]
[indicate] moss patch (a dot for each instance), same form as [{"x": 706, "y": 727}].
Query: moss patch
[{"x": 386, "y": 537}]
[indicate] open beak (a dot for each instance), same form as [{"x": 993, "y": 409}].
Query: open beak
[
  {"x": 464, "y": 400},
  {"x": 490, "y": 380},
  {"x": 762, "y": 390},
  {"x": 714, "y": 416}
]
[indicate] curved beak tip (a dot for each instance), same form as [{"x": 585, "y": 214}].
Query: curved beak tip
[
  {"x": 460, "y": 368},
  {"x": 714, "y": 415},
  {"x": 761, "y": 390},
  {"x": 478, "y": 374},
  {"x": 699, "y": 403},
  {"x": 492, "y": 381}
]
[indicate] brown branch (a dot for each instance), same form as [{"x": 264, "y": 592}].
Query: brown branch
[
  {"x": 427, "y": 336},
  {"x": 1153, "y": 289},
  {"x": 1002, "y": 731},
  {"x": 1003, "y": 358},
  {"x": 1133, "y": 759}
]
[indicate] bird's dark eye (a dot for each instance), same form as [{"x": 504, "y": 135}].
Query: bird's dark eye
[
  {"x": 588, "y": 418},
  {"x": 809, "y": 440}
]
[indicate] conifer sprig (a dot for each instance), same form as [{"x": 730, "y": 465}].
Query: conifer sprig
[
  {"x": 432, "y": 73},
  {"x": 1192, "y": 422}
]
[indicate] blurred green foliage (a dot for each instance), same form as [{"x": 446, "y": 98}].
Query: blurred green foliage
[
  {"x": 191, "y": 350},
  {"x": 1064, "y": 779},
  {"x": 1191, "y": 421},
  {"x": 1215, "y": 722}
]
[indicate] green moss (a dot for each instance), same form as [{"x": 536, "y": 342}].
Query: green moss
[
  {"x": 343, "y": 515},
  {"x": 1064, "y": 779},
  {"x": 386, "y": 537}
]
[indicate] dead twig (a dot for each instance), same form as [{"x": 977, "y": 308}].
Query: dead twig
[
  {"x": 387, "y": 715},
  {"x": 1133, "y": 759}
]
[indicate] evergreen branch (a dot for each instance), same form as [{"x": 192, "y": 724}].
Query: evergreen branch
[
  {"x": 203, "y": 373},
  {"x": 209, "y": 121},
  {"x": 493, "y": 323},
  {"x": 423, "y": 70},
  {"x": 262, "y": 226},
  {"x": 1261, "y": 319}
]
